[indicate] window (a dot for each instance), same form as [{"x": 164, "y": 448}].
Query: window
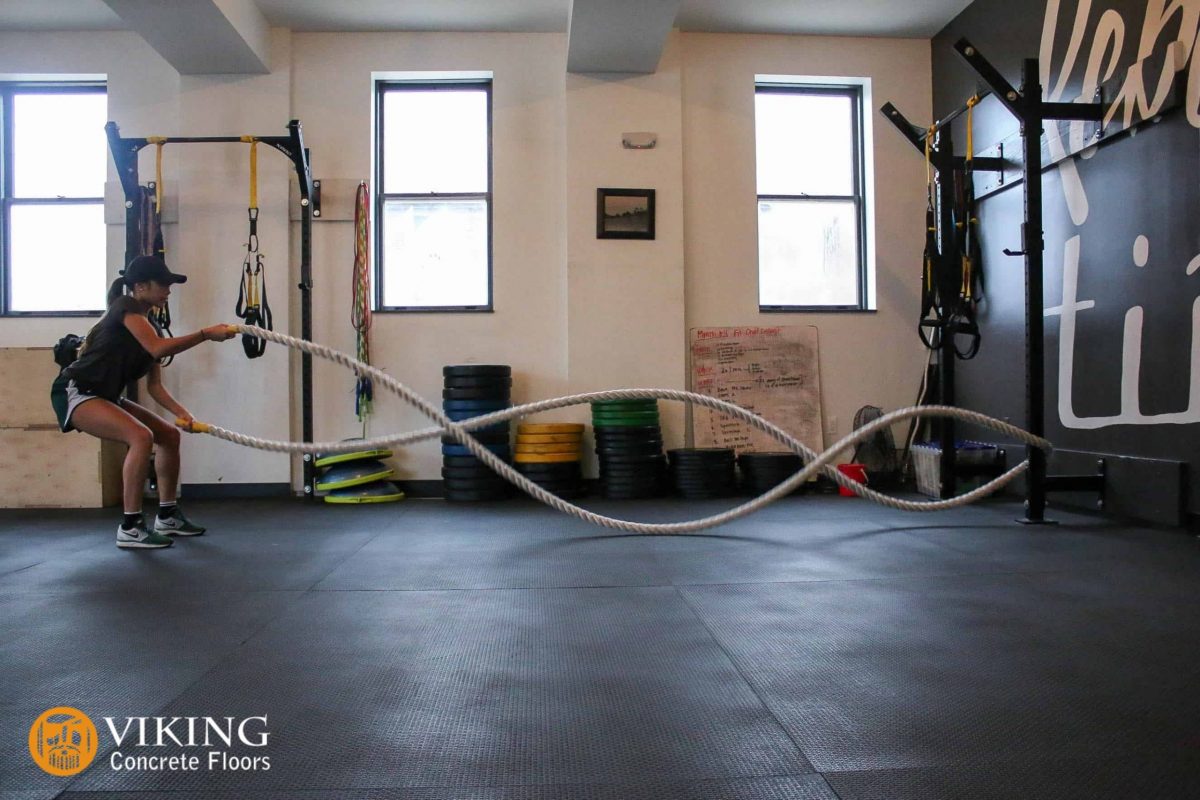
[
  {"x": 433, "y": 215},
  {"x": 53, "y": 162},
  {"x": 812, "y": 208}
]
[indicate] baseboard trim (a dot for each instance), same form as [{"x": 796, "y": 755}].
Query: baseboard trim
[{"x": 217, "y": 491}]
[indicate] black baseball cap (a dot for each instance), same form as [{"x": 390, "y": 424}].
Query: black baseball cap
[{"x": 150, "y": 268}]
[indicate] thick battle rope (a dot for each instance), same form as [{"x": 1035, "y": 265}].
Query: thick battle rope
[{"x": 459, "y": 430}]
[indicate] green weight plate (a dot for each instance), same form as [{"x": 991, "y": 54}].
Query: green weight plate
[
  {"x": 647, "y": 415},
  {"x": 618, "y": 423},
  {"x": 625, "y": 405}
]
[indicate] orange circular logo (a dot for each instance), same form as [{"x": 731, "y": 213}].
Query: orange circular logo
[{"x": 62, "y": 741}]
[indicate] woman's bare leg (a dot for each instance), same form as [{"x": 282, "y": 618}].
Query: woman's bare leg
[
  {"x": 106, "y": 420},
  {"x": 166, "y": 456}
]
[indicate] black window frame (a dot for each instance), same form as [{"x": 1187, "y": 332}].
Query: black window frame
[
  {"x": 382, "y": 87},
  {"x": 854, "y": 92},
  {"x": 8, "y": 90}
]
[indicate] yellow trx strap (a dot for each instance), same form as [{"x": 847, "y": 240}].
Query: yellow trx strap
[
  {"x": 253, "y": 170},
  {"x": 158, "y": 142},
  {"x": 252, "y": 293}
]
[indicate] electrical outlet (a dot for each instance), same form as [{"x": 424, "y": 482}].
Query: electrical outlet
[{"x": 835, "y": 431}]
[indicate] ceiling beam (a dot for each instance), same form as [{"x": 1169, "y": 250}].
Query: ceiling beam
[
  {"x": 618, "y": 35},
  {"x": 201, "y": 37}
]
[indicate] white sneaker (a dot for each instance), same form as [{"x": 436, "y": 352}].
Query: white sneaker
[
  {"x": 177, "y": 525},
  {"x": 140, "y": 538}
]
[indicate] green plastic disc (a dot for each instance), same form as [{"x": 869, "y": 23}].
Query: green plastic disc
[
  {"x": 346, "y": 458},
  {"x": 356, "y": 473},
  {"x": 378, "y": 492}
]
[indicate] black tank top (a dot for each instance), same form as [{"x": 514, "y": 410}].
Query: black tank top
[{"x": 113, "y": 356}]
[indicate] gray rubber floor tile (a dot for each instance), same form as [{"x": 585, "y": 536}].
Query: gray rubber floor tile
[
  {"x": 493, "y": 688},
  {"x": 965, "y": 669},
  {"x": 241, "y": 558},
  {"x": 761, "y": 551},
  {"x": 1157, "y": 778},
  {"x": 498, "y": 558},
  {"x": 1064, "y": 546},
  {"x": 111, "y": 654},
  {"x": 33, "y": 794},
  {"x": 787, "y": 787}
]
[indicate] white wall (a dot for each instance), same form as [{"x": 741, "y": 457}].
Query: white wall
[
  {"x": 332, "y": 96},
  {"x": 142, "y": 89},
  {"x": 866, "y": 358},
  {"x": 625, "y": 297},
  {"x": 572, "y": 313},
  {"x": 146, "y": 96}
]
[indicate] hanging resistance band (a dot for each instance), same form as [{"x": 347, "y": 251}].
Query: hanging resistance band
[
  {"x": 930, "y": 302},
  {"x": 360, "y": 313},
  {"x": 252, "y": 307}
]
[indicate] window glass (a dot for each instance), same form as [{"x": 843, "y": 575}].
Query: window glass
[
  {"x": 59, "y": 146},
  {"x": 435, "y": 142},
  {"x": 57, "y": 257},
  {"x": 436, "y": 253}
]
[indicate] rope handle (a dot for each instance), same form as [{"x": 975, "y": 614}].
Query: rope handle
[{"x": 192, "y": 426}]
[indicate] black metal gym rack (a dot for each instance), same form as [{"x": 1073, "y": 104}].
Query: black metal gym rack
[
  {"x": 125, "y": 156},
  {"x": 1027, "y": 106}
]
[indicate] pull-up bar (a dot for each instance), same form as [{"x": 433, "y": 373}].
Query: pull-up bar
[
  {"x": 125, "y": 155},
  {"x": 1031, "y": 111}
]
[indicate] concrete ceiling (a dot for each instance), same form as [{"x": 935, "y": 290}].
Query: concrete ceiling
[{"x": 604, "y": 35}]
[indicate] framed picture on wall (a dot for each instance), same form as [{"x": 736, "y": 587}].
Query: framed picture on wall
[{"x": 624, "y": 213}]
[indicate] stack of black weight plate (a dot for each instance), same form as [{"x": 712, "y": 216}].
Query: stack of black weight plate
[
  {"x": 763, "y": 471},
  {"x": 629, "y": 446},
  {"x": 548, "y": 453},
  {"x": 472, "y": 390},
  {"x": 700, "y": 473}
]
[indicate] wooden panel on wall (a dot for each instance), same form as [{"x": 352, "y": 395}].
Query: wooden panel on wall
[
  {"x": 771, "y": 371},
  {"x": 49, "y": 469},
  {"x": 25, "y": 377}
]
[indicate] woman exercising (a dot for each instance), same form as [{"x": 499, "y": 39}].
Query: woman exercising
[{"x": 126, "y": 345}]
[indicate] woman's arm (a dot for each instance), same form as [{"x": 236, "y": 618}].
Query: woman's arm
[
  {"x": 160, "y": 347},
  {"x": 161, "y": 396}
]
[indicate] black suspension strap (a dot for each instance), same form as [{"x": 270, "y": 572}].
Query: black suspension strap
[
  {"x": 963, "y": 314},
  {"x": 930, "y": 326},
  {"x": 252, "y": 306},
  {"x": 150, "y": 242}
]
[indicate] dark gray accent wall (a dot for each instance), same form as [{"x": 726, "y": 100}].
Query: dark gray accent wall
[{"x": 1142, "y": 185}]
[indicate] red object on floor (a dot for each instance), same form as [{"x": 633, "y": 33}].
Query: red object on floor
[{"x": 855, "y": 472}]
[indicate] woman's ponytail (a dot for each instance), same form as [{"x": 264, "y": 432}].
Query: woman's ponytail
[{"x": 115, "y": 291}]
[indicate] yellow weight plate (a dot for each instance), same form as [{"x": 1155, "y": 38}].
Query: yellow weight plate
[
  {"x": 548, "y": 438},
  {"x": 549, "y": 448},
  {"x": 550, "y": 427},
  {"x": 545, "y": 458}
]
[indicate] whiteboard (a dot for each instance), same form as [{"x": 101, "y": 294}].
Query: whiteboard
[{"x": 769, "y": 371}]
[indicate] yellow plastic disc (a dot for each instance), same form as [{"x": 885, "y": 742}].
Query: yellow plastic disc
[
  {"x": 549, "y": 438},
  {"x": 550, "y": 427},
  {"x": 565, "y": 447},
  {"x": 373, "y": 498},
  {"x": 545, "y": 458}
]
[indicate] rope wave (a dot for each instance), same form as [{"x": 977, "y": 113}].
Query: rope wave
[{"x": 460, "y": 431}]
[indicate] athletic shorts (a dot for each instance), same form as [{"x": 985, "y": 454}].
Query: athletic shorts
[{"x": 65, "y": 396}]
